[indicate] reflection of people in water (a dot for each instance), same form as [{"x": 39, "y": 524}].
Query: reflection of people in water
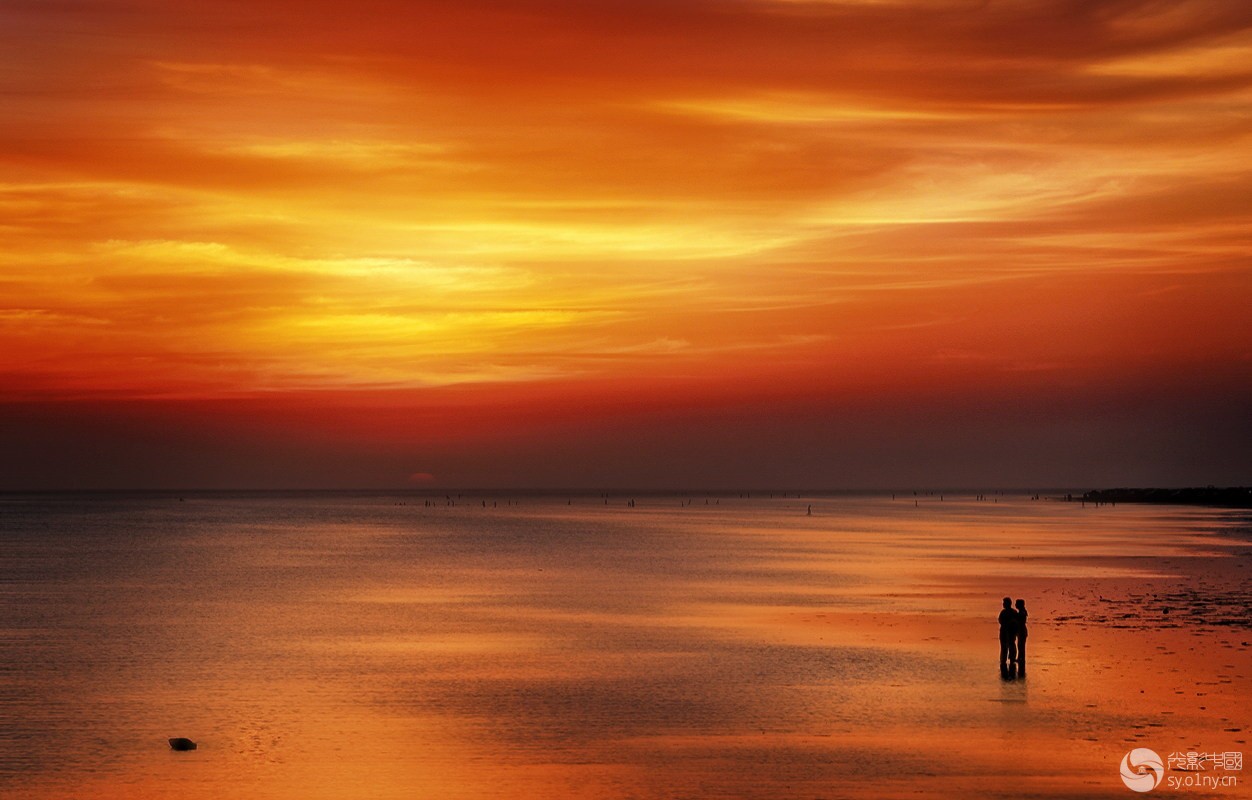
[
  {"x": 1008, "y": 634},
  {"x": 1021, "y": 633}
]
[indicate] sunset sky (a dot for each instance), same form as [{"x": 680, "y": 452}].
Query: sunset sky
[{"x": 644, "y": 243}]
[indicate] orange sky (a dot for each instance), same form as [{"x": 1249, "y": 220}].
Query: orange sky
[{"x": 327, "y": 218}]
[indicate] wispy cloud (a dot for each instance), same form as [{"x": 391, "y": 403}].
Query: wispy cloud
[{"x": 200, "y": 198}]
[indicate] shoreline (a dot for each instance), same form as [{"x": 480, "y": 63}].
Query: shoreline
[{"x": 1214, "y": 496}]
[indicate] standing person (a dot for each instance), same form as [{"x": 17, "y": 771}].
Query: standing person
[
  {"x": 1008, "y": 634},
  {"x": 1021, "y": 633}
]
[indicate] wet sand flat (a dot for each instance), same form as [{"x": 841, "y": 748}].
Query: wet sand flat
[{"x": 341, "y": 646}]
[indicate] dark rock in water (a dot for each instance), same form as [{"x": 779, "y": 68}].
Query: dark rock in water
[{"x": 179, "y": 743}]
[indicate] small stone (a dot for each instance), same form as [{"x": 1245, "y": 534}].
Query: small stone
[{"x": 180, "y": 743}]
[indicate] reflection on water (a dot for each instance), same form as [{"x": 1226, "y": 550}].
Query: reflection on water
[{"x": 340, "y": 646}]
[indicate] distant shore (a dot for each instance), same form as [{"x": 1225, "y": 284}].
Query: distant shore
[{"x": 1227, "y": 497}]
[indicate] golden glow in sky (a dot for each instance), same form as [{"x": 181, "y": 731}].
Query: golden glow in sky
[{"x": 229, "y": 200}]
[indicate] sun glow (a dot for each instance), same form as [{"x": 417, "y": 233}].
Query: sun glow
[{"x": 212, "y": 202}]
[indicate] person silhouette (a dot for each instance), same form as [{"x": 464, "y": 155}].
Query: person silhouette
[
  {"x": 1008, "y": 634},
  {"x": 1021, "y": 633}
]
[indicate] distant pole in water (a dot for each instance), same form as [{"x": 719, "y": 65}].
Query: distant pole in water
[{"x": 810, "y": 511}]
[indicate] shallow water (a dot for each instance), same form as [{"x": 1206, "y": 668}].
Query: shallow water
[{"x": 354, "y": 645}]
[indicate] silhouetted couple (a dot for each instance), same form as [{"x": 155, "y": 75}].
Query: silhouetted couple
[{"x": 1012, "y": 638}]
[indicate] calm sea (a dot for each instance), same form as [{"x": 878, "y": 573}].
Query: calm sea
[{"x": 322, "y": 645}]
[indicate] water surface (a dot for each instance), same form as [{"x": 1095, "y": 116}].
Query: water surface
[{"x": 395, "y": 646}]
